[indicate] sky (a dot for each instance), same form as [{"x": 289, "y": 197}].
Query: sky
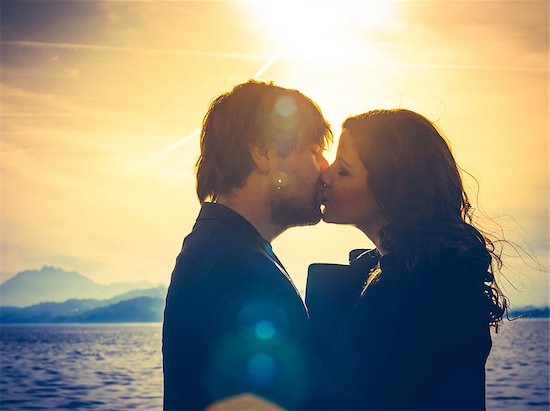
[{"x": 101, "y": 101}]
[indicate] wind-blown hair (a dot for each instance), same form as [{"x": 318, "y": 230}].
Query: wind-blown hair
[
  {"x": 417, "y": 184},
  {"x": 252, "y": 113}
]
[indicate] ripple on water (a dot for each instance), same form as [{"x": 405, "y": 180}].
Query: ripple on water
[
  {"x": 52, "y": 382},
  {"x": 538, "y": 404},
  {"x": 79, "y": 404},
  {"x": 47, "y": 396},
  {"x": 40, "y": 390},
  {"x": 504, "y": 398},
  {"x": 14, "y": 401},
  {"x": 77, "y": 387}
]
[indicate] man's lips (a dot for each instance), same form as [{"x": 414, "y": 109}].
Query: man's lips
[{"x": 322, "y": 198}]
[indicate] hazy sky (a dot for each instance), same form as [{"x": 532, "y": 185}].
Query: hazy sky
[{"x": 93, "y": 92}]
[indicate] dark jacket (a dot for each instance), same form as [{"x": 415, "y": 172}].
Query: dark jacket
[
  {"x": 415, "y": 339},
  {"x": 233, "y": 322}
]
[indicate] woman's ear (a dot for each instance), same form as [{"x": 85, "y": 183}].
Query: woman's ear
[{"x": 260, "y": 156}]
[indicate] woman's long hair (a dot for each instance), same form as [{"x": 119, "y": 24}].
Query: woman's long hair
[{"x": 417, "y": 183}]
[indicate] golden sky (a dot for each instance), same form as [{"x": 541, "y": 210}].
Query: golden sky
[{"x": 96, "y": 97}]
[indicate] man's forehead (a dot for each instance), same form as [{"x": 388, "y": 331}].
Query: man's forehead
[{"x": 311, "y": 139}]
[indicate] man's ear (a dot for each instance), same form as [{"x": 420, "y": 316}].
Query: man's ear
[{"x": 260, "y": 156}]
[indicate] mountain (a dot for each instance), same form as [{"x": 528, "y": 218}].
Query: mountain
[
  {"x": 56, "y": 285},
  {"x": 140, "y": 309},
  {"x": 137, "y": 305},
  {"x": 156, "y": 292},
  {"x": 48, "y": 312}
]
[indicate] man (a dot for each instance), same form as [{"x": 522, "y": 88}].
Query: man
[{"x": 234, "y": 322}]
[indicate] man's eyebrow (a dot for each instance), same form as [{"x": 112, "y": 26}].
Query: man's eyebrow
[{"x": 343, "y": 161}]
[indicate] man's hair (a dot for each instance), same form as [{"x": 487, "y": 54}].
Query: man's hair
[{"x": 252, "y": 113}]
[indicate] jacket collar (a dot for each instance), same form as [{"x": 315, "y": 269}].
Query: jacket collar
[
  {"x": 364, "y": 260},
  {"x": 221, "y": 213}
]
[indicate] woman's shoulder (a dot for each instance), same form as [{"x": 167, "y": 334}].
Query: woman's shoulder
[
  {"x": 364, "y": 259},
  {"x": 354, "y": 274},
  {"x": 367, "y": 257}
]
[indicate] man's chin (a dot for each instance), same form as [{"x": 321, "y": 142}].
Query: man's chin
[
  {"x": 326, "y": 219},
  {"x": 312, "y": 219},
  {"x": 288, "y": 217}
]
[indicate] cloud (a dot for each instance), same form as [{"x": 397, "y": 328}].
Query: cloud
[
  {"x": 523, "y": 22},
  {"x": 51, "y": 20},
  {"x": 122, "y": 49},
  {"x": 352, "y": 59}
]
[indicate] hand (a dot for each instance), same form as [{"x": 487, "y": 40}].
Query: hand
[{"x": 243, "y": 402}]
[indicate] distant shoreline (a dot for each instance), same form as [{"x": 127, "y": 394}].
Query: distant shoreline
[
  {"x": 82, "y": 323},
  {"x": 512, "y": 320}
]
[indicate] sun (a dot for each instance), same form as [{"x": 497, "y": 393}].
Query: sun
[{"x": 322, "y": 29}]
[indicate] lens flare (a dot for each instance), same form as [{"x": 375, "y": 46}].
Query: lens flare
[
  {"x": 285, "y": 106},
  {"x": 264, "y": 330},
  {"x": 261, "y": 369}
]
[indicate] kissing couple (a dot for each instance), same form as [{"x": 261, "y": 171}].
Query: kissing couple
[{"x": 403, "y": 326}]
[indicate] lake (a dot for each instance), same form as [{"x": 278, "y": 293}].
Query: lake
[{"x": 119, "y": 366}]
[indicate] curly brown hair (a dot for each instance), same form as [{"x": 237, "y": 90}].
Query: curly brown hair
[{"x": 417, "y": 184}]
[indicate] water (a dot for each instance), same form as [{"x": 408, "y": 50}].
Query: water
[
  {"x": 119, "y": 367},
  {"x": 96, "y": 367},
  {"x": 518, "y": 369}
]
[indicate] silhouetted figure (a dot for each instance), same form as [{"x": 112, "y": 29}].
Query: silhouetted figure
[
  {"x": 234, "y": 322},
  {"x": 405, "y": 326}
]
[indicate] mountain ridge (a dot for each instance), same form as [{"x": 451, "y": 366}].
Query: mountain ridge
[
  {"x": 31, "y": 287},
  {"x": 145, "y": 305}
]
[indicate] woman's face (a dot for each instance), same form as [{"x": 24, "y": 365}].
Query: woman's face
[{"x": 348, "y": 197}]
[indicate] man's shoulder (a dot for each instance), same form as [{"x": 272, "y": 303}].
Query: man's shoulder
[
  {"x": 247, "y": 262},
  {"x": 221, "y": 250}
]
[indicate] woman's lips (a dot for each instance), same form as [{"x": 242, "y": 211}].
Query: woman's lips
[{"x": 324, "y": 201}]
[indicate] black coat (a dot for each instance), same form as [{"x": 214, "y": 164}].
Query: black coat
[
  {"x": 233, "y": 321},
  {"x": 415, "y": 339}
]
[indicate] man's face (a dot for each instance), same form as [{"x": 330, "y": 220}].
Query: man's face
[{"x": 295, "y": 195}]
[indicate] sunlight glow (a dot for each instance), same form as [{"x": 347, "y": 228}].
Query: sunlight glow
[
  {"x": 322, "y": 29},
  {"x": 196, "y": 133}
]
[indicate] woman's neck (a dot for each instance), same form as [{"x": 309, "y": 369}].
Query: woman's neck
[{"x": 373, "y": 233}]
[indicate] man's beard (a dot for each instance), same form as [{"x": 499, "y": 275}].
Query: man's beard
[{"x": 289, "y": 212}]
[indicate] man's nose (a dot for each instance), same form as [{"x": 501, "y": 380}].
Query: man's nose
[
  {"x": 325, "y": 177},
  {"x": 323, "y": 163}
]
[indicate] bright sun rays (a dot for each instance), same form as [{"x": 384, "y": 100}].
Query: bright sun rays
[
  {"x": 313, "y": 31},
  {"x": 322, "y": 30}
]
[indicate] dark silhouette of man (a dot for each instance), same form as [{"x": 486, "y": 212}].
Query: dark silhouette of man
[{"x": 234, "y": 321}]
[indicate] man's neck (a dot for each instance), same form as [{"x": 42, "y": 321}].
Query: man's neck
[{"x": 255, "y": 212}]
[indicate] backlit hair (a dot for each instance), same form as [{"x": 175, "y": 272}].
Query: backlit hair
[
  {"x": 252, "y": 113},
  {"x": 417, "y": 184}
]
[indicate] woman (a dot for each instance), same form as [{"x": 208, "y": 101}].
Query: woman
[{"x": 413, "y": 317}]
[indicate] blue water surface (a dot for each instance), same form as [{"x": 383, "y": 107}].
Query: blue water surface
[{"x": 119, "y": 367}]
